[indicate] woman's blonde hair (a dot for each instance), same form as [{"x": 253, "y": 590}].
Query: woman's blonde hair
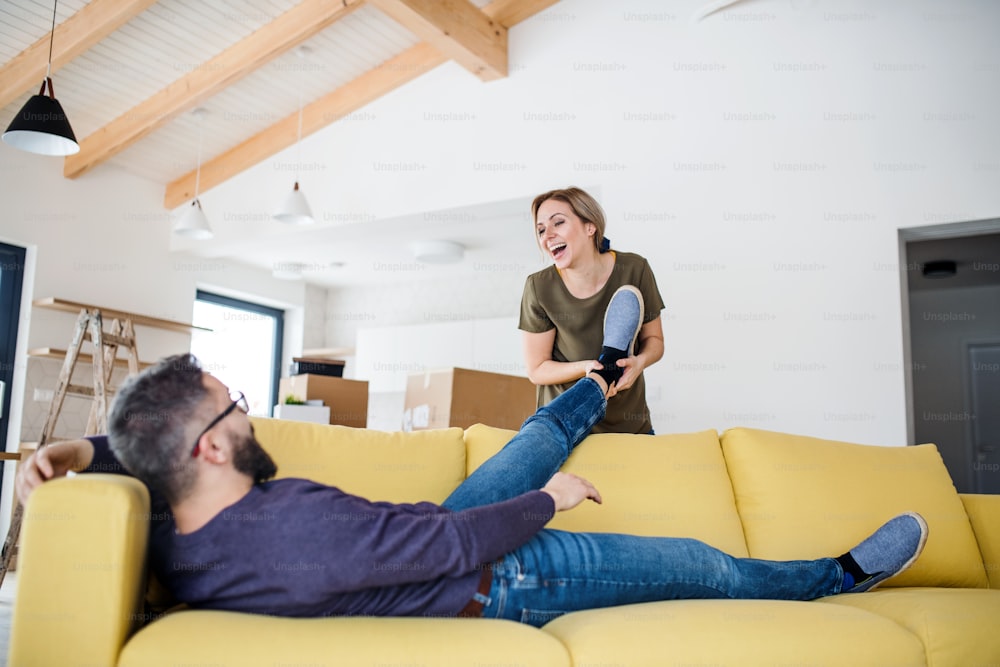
[{"x": 584, "y": 206}]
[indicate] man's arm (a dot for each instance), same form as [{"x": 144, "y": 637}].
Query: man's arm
[
  {"x": 51, "y": 461},
  {"x": 568, "y": 491}
]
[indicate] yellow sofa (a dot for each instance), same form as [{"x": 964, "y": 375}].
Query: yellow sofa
[{"x": 84, "y": 599}]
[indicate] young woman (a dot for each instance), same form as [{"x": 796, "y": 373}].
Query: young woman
[{"x": 563, "y": 307}]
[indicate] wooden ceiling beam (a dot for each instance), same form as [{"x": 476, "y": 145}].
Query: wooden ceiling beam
[
  {"x": 277, "y": 37},
  {"x": 511, "y": 12},
  {"x": 72, "y": 37},
  {"x": 333, "y": 106},
  {"x": 456, "y": 28},
  {"x": 347, "y": 99}
]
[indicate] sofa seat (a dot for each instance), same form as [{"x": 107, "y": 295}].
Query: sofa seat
[
  {"x": 741, "y": 633},
  {"x": 229, "y": 638},
  {"x": 956, "y": 626}
]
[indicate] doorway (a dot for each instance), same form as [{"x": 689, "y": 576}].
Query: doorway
[
  {"x": 951, "y": 306},
  {"x": 11, "y": 279}
]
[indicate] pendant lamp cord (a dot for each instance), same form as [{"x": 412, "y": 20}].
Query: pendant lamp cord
[
  {"x": 197, "y": 177},
  {"x": 52, "y": 38},
  {"x": 298, "y": 142}
]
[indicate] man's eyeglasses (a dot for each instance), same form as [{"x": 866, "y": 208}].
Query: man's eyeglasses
[{"x": 239, "y": 401}]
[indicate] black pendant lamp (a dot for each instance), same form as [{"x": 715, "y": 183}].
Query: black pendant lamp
[{"x": 41, "y": 125}]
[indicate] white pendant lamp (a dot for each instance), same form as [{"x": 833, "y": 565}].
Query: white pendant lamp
[
  {"x": 41, "y": 125},
  {"x": 294, "y": 209},
  {"x": 193, "y": 224}
]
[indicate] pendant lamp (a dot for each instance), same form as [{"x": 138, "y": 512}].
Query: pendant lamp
[
  {"x": 294, "y": 209},
  {"x": 193, "y": 224},
  {"x": 41, "y": 125}
]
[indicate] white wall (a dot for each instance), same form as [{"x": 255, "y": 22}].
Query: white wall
[
  {"x": 104, "y": 239},
  {"x": 762, "y": 160}
]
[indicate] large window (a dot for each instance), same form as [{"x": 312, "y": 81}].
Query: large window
[{"x": 243, "y": 348}]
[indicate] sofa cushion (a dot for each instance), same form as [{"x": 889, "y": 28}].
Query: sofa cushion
[
  {"x": 802, "y": 497},
  {"x": 398, "y": 467},
  {"x": 741, "y": 633},
  {"x": 953, "y": 624},
  {"x": 663, "y": 485},
  {"x": 243, "y": 640}
]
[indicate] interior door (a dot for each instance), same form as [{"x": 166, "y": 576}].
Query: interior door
[
  {"x": 11, "y": 278},
  {"x": 984, "y": 367}
]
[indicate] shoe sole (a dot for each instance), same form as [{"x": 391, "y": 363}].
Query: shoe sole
[
  {"x": 916, "y": 554},
  {"x": 642, "y": 313}
]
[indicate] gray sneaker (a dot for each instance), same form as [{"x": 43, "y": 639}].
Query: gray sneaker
[
  {"x": 622, "y": 321},
  {"x": 623, "y": 318},
  {"x": 889, "y": 550}
]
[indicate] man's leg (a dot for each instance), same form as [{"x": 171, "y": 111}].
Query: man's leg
[
  {"x": 538, "y": 450},
  {"x": 558, "y": 572},
  {"x": 545, "y": 440}
]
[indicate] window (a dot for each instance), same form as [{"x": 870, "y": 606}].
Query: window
[{"x": 243, "y": 348}]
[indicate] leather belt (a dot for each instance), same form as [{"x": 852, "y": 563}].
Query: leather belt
[{"x": 474, "y": 609}]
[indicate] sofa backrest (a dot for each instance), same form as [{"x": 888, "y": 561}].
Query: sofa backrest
[
  {"x": 803, "y": 497},
  {"x": 377, "y": 465},
  {"x": 663, "y": 485}
]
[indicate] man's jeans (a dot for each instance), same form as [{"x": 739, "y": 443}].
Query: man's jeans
[{"x": 558, "y": 572}]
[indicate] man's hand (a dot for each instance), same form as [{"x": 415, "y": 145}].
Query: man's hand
[
  {"x": 569, "y": 491},
  {"x": 51, "y": 461}
]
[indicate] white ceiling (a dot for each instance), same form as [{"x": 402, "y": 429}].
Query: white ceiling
[{"x": 170, "y": 39}]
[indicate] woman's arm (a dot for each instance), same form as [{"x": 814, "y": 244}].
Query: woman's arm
[{"x": 542, "y": 369}]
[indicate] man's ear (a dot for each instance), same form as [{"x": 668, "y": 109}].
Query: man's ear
[{"x": 215, "y": 447}]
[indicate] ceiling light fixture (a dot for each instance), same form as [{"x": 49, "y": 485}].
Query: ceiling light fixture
[
  {"x": 193, "y": 224},
  {"x": 294, "y": 209},
  {"x": 41, "y": 125},
  {"x": 438, "y": 252}
]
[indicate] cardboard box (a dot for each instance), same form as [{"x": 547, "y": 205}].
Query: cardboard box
[
  {"x": 347, "y": 399},
  {"x": 462, "y": 397}
]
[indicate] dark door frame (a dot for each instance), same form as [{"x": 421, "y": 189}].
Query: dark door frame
[{"x": 13, "y": 259}]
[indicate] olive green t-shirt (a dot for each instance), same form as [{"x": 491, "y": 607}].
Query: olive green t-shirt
[{"x": 579, "y": 325}]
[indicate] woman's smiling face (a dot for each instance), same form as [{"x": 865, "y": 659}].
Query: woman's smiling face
[{"x": 562, "y": 234}]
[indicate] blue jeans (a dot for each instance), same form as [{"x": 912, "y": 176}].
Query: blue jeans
[{"x": 557, "y": 572}]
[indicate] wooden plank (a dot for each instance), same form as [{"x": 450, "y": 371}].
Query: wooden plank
[
  {"x": 73, "y": 36},
  {"x": 54, "y": 353},
  {"x": 456, "y": 28},
  {"x": 407, "y": 66},
  {"x": 511, "y": 12},
  {"x": 67, "y": 306},
  {"x": 277, "y": 37},
  {"x": 363, "y": 90}
]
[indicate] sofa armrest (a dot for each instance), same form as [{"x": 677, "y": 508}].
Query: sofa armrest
[
  {"x": 81, "y": 572},
  {"x": 984, "y": 513}
]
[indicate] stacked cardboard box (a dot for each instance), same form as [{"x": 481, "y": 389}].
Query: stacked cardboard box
[
  {"x": 463, "y": 397},
  {"x": 347, "y": 399}
]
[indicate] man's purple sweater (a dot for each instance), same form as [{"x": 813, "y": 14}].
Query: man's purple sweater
[{"x": 292, "y": 547}]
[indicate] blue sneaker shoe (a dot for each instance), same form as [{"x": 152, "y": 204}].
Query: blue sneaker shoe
[
  {"x": 885, "y": 553},
  {"x": 622, "y": 321}
]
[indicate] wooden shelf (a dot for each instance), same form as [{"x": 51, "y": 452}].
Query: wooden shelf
[
  {"x": 328, "y": 352},
  {"x": 53, "y": 353},
  {"x": 75, "y": 307}
]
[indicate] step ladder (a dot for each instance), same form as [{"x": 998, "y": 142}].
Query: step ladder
[{"x": 106, "y": 345}]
